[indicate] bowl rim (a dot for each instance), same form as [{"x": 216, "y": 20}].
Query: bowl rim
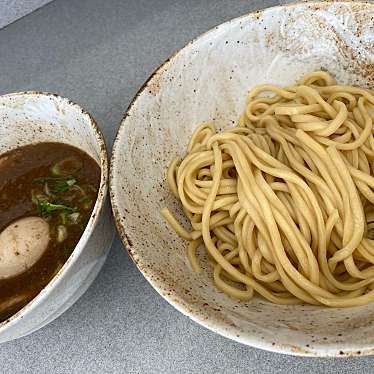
[
  {"x": 320, "y": 350},
  {"x": 95, "y": 214}
]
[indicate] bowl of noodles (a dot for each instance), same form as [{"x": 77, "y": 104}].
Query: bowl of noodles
[{"x": 242, "y": 179}]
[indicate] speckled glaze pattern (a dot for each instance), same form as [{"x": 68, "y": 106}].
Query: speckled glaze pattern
[
  {"x": 32, "y": 117},
  {"x": 208, "y": 80}
]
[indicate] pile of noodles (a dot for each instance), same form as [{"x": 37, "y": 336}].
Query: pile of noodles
[{"x": 283, "y": 203}]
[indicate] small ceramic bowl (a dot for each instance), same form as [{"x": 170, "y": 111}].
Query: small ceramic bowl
[
  {"x": 208, "y": 81},
  {"x": 32, "y": 117}
]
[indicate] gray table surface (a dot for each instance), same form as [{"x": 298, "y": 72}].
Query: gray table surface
[
  {"x": 10, "y": 10},
  {"x": 98, "y": 53}
]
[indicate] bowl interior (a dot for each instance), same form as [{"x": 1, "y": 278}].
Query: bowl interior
[
  {"x": 208, "y": 80},
  {"x": 27, "y": 118}
]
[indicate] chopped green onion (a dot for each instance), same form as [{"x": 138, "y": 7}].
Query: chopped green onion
[
  {"x": 64, "y": 216},
  {"x": 56, "y": 184},
  {"x": 36, "y": 197},
  {"x": 78, "y": 188},
  {"x": 64, "y": 185},
  {"x": 67, "y": 166},
  {"x": 86, "y": 203},
  {"x": 47, "y": 179},
  {"x": 45, "y": 208},
  {"x": 74, "y": 218},
  {"x": 62, "y": 233},
  {"x": 47, "y": 190}
]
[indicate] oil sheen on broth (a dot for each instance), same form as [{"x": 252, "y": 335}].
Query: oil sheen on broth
[{"x": 47, "y": 193}]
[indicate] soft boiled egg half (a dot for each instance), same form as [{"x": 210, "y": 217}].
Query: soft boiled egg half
[{"x": 22, "y": 244}]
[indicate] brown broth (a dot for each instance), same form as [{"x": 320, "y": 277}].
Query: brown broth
[{"x": 18, "y": 171}]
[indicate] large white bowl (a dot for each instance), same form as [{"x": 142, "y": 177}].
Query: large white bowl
[
  {"x": 208, "y": 80},
  {"x": 32, "y": 117}
]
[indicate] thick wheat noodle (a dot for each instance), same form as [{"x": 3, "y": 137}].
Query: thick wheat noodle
[{"x": 284, "y": 203}]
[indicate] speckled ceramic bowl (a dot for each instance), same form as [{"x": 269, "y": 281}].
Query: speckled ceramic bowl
[
  {"x": 208, "y": 80},
  {"x": 33, "y": 117}
]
